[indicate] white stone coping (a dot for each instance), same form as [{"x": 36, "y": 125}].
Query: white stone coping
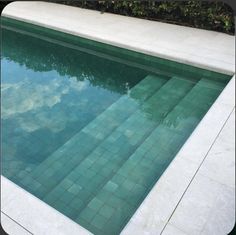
[
  {"x": 197, "y": 47},
  {"x": 155, "y": 215}
]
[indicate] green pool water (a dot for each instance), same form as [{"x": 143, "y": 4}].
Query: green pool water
[{"x": 89, "y": 128}]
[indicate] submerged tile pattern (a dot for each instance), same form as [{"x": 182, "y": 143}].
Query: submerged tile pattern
[{"x": 100, "y": 143}]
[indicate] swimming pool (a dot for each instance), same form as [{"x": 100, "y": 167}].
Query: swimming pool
[{"x": 90, "y": 128}]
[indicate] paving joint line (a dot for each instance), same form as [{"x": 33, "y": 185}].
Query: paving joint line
[{"x": 16, "y": 222}]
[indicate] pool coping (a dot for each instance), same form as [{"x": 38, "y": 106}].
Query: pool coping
[
  {"x": 190, "y": 45},
  {"x": 169, "y": 191}
]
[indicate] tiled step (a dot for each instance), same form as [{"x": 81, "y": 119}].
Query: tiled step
[
  {"x": 96, "y": 168},
  {"x": 123, "y": 192},
  {"x": 59, "y": 164}
]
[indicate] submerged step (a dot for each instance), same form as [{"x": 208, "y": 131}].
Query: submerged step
[
  {"x": 99, "y": 166},
  {"x": 130, "y": 184},
  {"x": 58, "y": 165}
]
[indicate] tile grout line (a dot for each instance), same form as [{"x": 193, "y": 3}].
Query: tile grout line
[
  {"x": 197, "y": 171},
  {"x": 15, "y": 222}
]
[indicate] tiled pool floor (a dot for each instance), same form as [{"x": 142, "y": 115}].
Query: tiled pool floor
[{"x": 92, "y": 139}]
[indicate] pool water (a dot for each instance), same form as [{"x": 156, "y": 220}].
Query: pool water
[{"x": 89, "y": 128}]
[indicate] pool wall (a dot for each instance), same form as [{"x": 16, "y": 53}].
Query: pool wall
[{"x": 163, "y": 210}]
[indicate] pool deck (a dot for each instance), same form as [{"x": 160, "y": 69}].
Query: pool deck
[{"x": 196, "y": 193}]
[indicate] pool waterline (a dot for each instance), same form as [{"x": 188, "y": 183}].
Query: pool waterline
[{"x": 137, "y": 104}]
